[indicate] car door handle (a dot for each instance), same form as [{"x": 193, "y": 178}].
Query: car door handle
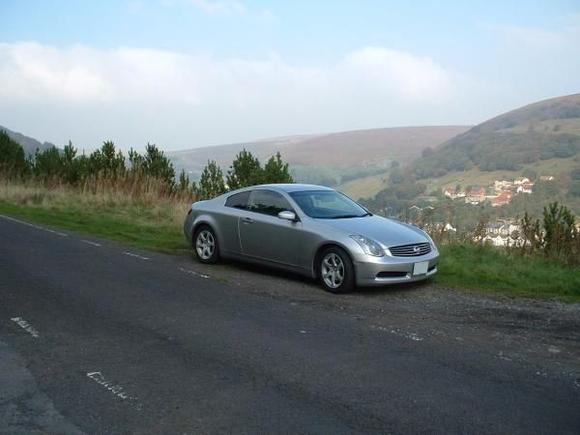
[{"x": 247, "y": 220}]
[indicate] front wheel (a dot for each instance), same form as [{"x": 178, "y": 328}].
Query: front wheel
[
  {"x": 206, "y": 245},
  {"x": 336, "y": 271}
]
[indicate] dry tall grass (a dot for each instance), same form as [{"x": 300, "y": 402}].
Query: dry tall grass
[{"x": 126, "y": 195}]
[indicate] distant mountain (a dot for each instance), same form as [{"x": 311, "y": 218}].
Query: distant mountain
[
  {"x": 360, "y": 148},
  {"x": 29, "y": 144},
  {"x": 540, "y": 131}
]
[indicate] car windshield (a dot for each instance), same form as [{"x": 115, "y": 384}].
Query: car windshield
[{"x": 327, "y": 204}]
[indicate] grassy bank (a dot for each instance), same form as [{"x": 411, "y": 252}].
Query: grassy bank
[
  {"x": 156, "y": 224},
  {"x": 492, "y": 269},
  {"x": 147, "y": 222}
]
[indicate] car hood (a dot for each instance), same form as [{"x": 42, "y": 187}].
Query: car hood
[{"x": 385, "y": 231}]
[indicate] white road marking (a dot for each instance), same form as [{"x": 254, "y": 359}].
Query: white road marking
[
  {"x": 131, "y": 254},
  {"x": 38, "y": 227},
  {"x": 410, "y": 335},
  {"x": 115, "y": 389},
  {"x": 26, "y": 326},
  {"x": 89, "y": 242},
  {"x": 193, "y": 272}
]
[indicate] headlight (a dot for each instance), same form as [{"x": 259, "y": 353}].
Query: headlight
[
  {"x": 433, "y": 245},
  {"x": 369, "y": 246}
]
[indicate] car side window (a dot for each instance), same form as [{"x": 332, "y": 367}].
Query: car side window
[
  {"x": 267, "y": 202},
  {"x": 238, "y": 200}
]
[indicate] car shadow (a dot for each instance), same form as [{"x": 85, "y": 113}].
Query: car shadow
[{"x": 293, "y": 277}]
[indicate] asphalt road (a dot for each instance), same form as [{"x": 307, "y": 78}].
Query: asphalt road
[{"x": 97, "y": 337}]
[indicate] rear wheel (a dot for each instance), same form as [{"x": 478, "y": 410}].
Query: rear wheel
[
  {"x": 336, "y": 271},
  {"x": 206, "y": 245}
]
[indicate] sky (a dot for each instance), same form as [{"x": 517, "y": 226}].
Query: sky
[{"x": 190, "y": 73}]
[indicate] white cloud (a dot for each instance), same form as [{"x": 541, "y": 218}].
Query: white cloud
[
  {"x": 82, "y": 74},
  {"x": 409, "y": 77},
  {"x": 213, "y": 100}
]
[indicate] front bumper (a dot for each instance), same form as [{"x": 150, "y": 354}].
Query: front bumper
[{"x": 376, "y": 271}]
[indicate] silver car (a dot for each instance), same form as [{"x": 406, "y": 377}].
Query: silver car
[{"x": 312, "y": 230}]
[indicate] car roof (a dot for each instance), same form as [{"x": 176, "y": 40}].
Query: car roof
[{"x": 290, "y": 187}]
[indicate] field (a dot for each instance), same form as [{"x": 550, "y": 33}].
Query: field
[
  {"x": 476, "y": 177},
  {"x": 155, "y": 224},
  {"x": 365, "y": 187},
  {"x": 369, "y": 186}
]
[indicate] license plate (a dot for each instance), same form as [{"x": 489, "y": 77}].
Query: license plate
[{"x": 420, "y": 268}]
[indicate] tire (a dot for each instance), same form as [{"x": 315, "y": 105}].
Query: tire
[
  {"x": 336, "y": 271},
  {"x": 205, "y": 245}
]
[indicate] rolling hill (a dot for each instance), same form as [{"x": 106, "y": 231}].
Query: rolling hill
[
  {"x": 352, "y": 153},
  {"x": 29, "y": 144},
  {"x": 541, "y": 131}
]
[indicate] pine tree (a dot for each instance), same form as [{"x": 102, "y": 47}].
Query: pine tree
[
  {"x": 157, "y": 165},
  {"x": 276, "y": 171},
  {"x": 12, "y": 159},
  {"x": 244, "y": 171},
  {"x": 211, "y": 183}
]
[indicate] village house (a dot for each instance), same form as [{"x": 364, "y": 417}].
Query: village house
[
  {"x": 501, "y": 185},
  {"x": 521, "y": 180},
  {"x": 503, "y": 233},
  {"x": 502, "y": 227},
  {"x": 547, "y": 178},
  {"x": 525, "y": 188},
  {"x": 475, "y": 195},
  {"x": 503, "y": 198},
  {"x": 498, "y": 240},
  {"x": 452, "y": 193},
  {"x": 449, "y": 228}
]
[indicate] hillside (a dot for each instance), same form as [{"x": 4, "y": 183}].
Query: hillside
[
  {"x": 358, "y": 152},
  {"x": 29, "y": 144},
  {"x": 544, "y": 130}
]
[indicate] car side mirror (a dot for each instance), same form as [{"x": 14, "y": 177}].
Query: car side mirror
[{"x": 287, "y": 215}]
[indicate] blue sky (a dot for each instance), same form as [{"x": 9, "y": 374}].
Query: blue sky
[{"x": 187, "y": 73}]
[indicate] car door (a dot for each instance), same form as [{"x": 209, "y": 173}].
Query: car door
[
  {"x": 266, "y": 236},
  {"x": 229, "y": 222}
]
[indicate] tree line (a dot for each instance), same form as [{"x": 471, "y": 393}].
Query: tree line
[{"x": 109, "y": 166}]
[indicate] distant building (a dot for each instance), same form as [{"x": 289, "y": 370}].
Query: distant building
[
  {"x": 547, "y": 178},
  {"x": 475, "y": 195},
  {"x": 496, "y": 240},
  {"x": 448, "y": 227},
  {"x": 502, "y": 199},
  {"x": 525, "y": 188},
  {"x": 522, "y": 180},
  {"x": 503, "y": 233},
  {"x": 449, "y": 192},
  {"x": 452, "y": 193},
  {"x": 501, "y": 185}
]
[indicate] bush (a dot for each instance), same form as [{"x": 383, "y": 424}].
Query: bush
[{"x": 555, "y": 237}]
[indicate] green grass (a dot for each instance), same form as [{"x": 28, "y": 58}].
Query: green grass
[
  {"x": 365, "y": 187},
  {"x": 475, "y": 177},
  {"x": 465, "y": 267},
  {"x": 493, "y": 270},
  {"x": 134, "y": 225}
]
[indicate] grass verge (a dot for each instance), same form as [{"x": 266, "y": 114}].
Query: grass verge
[
  {"x": 494, "y": 270},
  {"x": 144, "y": 222}
]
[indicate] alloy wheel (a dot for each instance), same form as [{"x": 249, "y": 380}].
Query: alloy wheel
[
  {"x": 333, "y": 270},
  {"x": 205, "y": 244}
]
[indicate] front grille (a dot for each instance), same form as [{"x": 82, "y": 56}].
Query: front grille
[{"x": 413, "y": 250}]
